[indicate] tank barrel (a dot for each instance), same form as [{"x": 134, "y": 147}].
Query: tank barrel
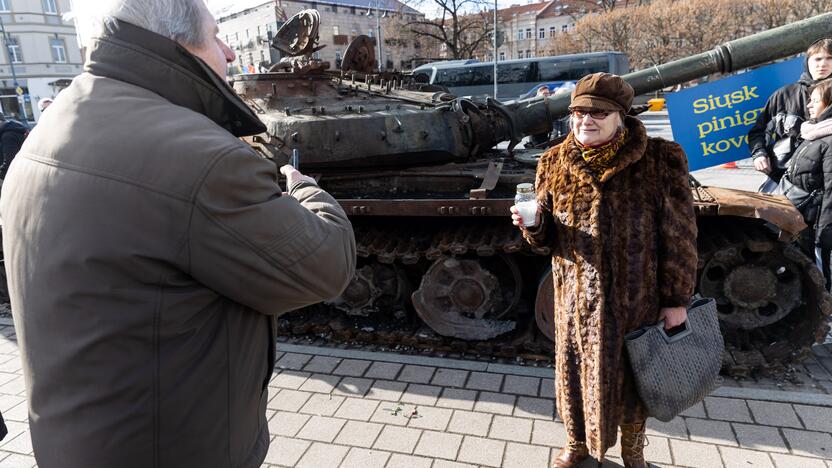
[{"x": 731, "y": 56}]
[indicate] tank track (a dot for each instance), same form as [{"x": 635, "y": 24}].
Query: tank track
[
  {"x": 408, "y": 244},
  {"x": 772, "y": 347},
  {"x": 768, "y": 348}
]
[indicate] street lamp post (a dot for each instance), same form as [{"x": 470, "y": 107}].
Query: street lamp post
[
  {"x": 11, "y": 66},
  {"x": 494, "y": 37},
  {"x": 378, "y": 33}
]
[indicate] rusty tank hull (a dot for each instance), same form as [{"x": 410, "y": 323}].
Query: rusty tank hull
[{"x": 441, "y": 266}]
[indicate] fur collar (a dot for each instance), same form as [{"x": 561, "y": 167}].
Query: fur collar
[{"x": 630, "y": 153}]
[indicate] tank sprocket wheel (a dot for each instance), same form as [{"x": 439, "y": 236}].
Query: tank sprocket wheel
[
  {"x": 460, "y": 298},
  {"x": 770, "y": 297},
  {"x": 374, "y": 287}
]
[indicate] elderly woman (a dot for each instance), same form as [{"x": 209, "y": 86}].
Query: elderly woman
[
  {"x": 810, "y": 170},
  {"x": 616, "y": 210}
]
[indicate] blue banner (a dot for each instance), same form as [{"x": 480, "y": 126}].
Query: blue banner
[{"x": 711, "y": 121}]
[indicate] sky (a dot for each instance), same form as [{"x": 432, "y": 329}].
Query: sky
[{"x": 218, "y": 6}]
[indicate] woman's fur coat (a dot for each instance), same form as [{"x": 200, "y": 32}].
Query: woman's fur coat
[{"x": 624, "y": 246}]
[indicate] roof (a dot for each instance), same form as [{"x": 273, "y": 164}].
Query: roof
[
  {"x": 517, "y": 10},
  {"x": 240, "y": 6}
]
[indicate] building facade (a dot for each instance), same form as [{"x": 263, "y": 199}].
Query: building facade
[
  {"x": 249, "y": 32},
  {"x": 529, "y": 30},
  {"x": 41, "y": 48}
]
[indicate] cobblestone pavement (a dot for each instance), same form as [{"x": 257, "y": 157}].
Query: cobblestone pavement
[{"x": 343, "y": 409}]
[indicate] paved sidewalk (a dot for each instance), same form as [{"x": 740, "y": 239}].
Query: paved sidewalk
[{"x": 343, "y": 409}]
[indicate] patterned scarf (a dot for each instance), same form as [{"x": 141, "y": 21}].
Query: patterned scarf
[{"x": 601, "y": 158}]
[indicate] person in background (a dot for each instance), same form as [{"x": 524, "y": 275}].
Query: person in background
[
  {"x": 149, "y": 251},
  {"x": 774, "y": 137},
  {"x": 615, "y": 208},
  {"x": 43, "y": 103},
  {"x": 810, "y": 170},
  {"x": 12, "y": 135}
]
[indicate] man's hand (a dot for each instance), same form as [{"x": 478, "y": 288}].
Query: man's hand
[
  {"x": 762, "y": 164},
  {"x": 673, "y": 316},
  {"x": 294, "y": 176}
]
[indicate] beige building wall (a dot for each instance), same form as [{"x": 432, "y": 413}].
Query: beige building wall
[
  {"x": 247, "y": 32},
  {"x": 528, "y": 34},
  {"x": 45, "y": 48}
]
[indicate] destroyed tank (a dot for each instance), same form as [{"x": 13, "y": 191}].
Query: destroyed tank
[{"x": 440, "y": 264}]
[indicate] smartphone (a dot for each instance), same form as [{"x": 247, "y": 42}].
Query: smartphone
[{"x": 294, "y": 160}]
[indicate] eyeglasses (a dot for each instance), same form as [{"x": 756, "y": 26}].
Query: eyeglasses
[{"x": 596, "y": 115}]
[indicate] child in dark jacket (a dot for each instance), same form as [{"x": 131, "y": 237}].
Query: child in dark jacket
[{"x": 811, "y": 171}]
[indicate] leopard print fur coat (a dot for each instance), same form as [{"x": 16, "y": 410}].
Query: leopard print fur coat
[{"x": 624, "y": 246}]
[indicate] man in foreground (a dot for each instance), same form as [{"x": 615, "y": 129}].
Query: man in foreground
[{"x": 149, "y": 251}]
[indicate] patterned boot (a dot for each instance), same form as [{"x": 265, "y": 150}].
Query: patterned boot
[
  {"x": 572, "y": 455},
  {"x": 633, "y": 438}
]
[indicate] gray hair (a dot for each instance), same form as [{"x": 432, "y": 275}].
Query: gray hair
[{"x": 180, "y": 20}]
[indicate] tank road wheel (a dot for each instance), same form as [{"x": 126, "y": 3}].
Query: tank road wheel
[
  {"x": 544, "y": 305},
  {"x": 374, "y": 287},
  {"x": 770, "y": 297},
  {"x": 461, "y": 298}
]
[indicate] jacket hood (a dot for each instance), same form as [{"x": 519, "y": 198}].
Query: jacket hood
[
  {"x": 140, "y": 57},
  {"x": 13, "y": 126}
]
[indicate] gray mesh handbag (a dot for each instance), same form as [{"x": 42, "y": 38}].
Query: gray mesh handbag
[{"x": 673, "y": 373}]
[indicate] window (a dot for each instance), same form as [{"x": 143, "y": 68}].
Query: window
[
  {"x": 262, "y": 55},
  {"x": 519, "y": 34},
  {"x": 514, "y": 73},
  {"x": 49, "y": 6},
  {"x": 247, "y": 35},
  {"x": 13, "y": 46},
  {"x": 528, "y": 33},
  {"x": 336, "y": 30},
  {"x": 352, "y": 10},
  {"x": 58, "y": 47},
  {"x": 334, "y": 8},
  {"x": 502, "y": 55},
  {"x": 4, "y": 5},
  {"x": 551, "y": 31},
  {"x": 564, "y": 28},
  {"x": 541, "y": 33},
  {"x": 570, "y": 70},
  {"x": 529, "y": 54}
]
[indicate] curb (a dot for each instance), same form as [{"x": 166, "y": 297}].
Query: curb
[{"x": 745, "y": 393}]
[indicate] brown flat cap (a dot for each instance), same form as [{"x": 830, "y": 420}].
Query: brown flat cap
[{"x": 603, "y": 91}]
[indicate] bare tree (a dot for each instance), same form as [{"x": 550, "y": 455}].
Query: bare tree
[
  {"x": 665, "y": 30},
  {"x": 462, "y": 27}
]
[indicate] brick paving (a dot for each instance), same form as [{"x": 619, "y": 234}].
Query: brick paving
[{"x": 344, "y": 409}]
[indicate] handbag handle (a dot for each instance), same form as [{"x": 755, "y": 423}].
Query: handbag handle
[{"x": 678, "y": 336}]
